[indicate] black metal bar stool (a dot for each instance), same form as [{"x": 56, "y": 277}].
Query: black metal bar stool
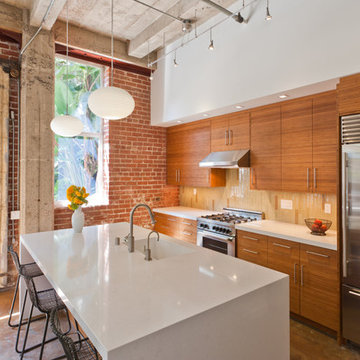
[
  {"x": 29, "y": 270},
  {"x": 74, "y": 350},
  {"x": 45, "y": 301}
]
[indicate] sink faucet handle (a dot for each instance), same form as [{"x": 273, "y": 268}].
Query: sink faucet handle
[{"x": 127, "y": 238}]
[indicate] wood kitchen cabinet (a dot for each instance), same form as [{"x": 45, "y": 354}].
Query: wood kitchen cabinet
[
  {"x": 309, "y": 144},
  {"x": 230, "y": 132},
  {"x": 265, "y": 145},
  {"x": 284, "y": 256},
  {"x": 296, "y": 144},
  {"x": 313, "y": 274},
  {"x": 319, "y": 285},
  {"x": 348, "y": 95},
  {"x": 177, "y": 227},
  {"x": 187, "y": 145}
]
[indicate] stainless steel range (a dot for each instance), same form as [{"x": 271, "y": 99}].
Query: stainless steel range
[{"x": 217, "y": 231}]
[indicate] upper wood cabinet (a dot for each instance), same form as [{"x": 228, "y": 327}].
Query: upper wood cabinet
[
  {"x": 187, "y": 145},
  {"x": 265, "y": 145},
  {"x": 296, "y": 145},
  {"x": 230, "y": 132},
  {"x": 325, "y": 143},
  {"x": 348, "y": 95}
]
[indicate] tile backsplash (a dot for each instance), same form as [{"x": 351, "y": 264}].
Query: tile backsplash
[{"x": 290, "y": 207}]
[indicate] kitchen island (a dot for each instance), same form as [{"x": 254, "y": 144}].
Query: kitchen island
[{"x": 187, "y": 303}]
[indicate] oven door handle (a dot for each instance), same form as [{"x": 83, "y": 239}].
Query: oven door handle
[{"x": 216, "y": 236}]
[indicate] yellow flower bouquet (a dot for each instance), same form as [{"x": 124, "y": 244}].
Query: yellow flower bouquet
[{"x": 77, "y": 196}]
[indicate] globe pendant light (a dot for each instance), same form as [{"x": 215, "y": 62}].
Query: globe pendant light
[
  {"x": 111, "y": 102},
  {"x": 67, "y": 125}
]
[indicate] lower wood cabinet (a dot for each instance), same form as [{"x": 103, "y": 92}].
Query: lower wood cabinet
[
  {"x": 177, "y": 227},
  {"x": 313, "y": 274}
]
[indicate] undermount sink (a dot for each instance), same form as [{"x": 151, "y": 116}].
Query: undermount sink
[{"x": 162, "y": 249}]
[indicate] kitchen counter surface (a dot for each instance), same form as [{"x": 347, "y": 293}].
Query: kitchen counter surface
[
  {"x": 128, "y": 306},
  {"x": 293, "y": 232},
  {"x": 185, "y": 212}
]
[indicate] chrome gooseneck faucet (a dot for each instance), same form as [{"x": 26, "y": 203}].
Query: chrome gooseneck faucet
[{"x": 130, "y": 238}]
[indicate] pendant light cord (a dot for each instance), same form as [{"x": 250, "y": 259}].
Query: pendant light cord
[
  {"x": 67, "y": 57},
  {"x": 112, "y": 43}
]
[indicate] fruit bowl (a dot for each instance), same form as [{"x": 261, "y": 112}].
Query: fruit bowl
[{"x": 318, "y": 226}]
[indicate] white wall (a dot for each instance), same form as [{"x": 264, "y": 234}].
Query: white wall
[{"x": 307, "y": 42}]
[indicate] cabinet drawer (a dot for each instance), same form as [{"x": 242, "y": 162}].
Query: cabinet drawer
[
  {"x": 187, "y": 235},
  {"x": 252, "y": 247}
]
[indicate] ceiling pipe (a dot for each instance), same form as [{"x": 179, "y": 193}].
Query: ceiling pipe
[{"x": 237, "y": 17}]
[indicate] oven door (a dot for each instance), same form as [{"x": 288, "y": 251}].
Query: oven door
[{"x": 220, "y": 243}]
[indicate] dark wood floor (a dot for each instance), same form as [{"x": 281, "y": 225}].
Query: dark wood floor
[{"x": 306, "y": 343}]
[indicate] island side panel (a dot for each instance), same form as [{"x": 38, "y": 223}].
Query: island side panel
[{"x": 253, "y": 326}]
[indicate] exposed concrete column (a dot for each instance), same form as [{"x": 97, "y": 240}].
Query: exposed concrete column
[{"x": 37, "y": 140}]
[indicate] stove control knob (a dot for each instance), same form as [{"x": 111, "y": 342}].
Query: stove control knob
[
  {"x": 216, "y": 228},
  {"x": 201, "y": 225},
  {"x": 228, "y": 231},
  {"x": 223, "y": 230},
  {"x": 206, "y": 226}
]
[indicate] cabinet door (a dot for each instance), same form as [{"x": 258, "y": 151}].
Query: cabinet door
[
  {"x": 284, "y": 256},
  {"x": 325, "y": 143},
  {"x": 187, "y": 230},
  {"x": 348, "y": 95},
  {"x": 296, "y": 145},
  {"x": 219, "y": 133},
  {"x": 251, "y": 247},
  {"x": 265, "y": 144},
  {"x": 239, "y": 131},
  {"x": 319, "y": 290},
  {"x": 174, "y": 154},
  {"x": 166, "y": 224}
]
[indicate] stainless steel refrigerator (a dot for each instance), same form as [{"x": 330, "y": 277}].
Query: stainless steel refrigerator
[{"x": 350, "y": 138}]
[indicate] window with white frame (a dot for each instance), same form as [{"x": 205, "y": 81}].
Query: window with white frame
[{"x": 79, "y": 160}]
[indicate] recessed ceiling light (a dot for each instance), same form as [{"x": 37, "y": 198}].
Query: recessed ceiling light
[
  {"x": 205, "y": 115},
  {"x": 238, "y": 107},
  {"x": 283, "y": 96}
]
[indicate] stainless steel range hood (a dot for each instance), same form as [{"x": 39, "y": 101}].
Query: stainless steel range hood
[{"x": 227, "y": 159}]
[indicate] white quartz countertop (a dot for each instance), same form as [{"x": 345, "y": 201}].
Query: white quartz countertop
[
  {"x": 293, "y": 232},
  {"x": 118, "y": 297},
  {"x": 185, "y": 212}
]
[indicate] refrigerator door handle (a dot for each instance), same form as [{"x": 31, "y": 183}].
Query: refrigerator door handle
[{"x": 345, "y": 210}]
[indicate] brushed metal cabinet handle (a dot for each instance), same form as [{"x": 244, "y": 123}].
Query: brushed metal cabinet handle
[
  {"x": 171, "y": 219},
  {"x": 179, "y": 175},
  {"x": 315, "y": 181},
  {"x": 187, "y": 233},
  {"x": 302, "y": 275},
  {"x": 186, "y": 223},
  {"x": 226, "y": 138},
  {"x": 354, "y": 293},
  {"x": 250, "y": 238},
  {"x": 317, "y": 254},
  {"x": 345, "y": 209},
  {"x": 308, "y": 178},
  {"x": 281, "y": 245},
  {"x": 295, "y": 279},
  {"x": 251, "y": 251}
]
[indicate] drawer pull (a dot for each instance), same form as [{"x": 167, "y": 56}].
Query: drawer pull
[
  {"x": 187, "y": 233},
  {"x": 281, "y": 245},
  {"x": 186, "y": 223},
  {"x": 171, "y": 220},
  {"x": 354, "y": 293},
  {"x": 251, "y": 251},
  {"x": 250, "y": 238},
  {"x": 317, "y": 254}
]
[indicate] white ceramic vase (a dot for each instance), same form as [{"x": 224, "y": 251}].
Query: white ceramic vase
[{"x": 78, "y": 220}]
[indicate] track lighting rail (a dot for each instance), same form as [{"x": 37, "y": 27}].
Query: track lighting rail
[{"x": 237, "y": 17}]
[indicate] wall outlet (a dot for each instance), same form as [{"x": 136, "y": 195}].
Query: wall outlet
[
  {"x": 327, "y": 208},
  {"x": 286, "y": 204},
  {"x": 15, "y": 215}
]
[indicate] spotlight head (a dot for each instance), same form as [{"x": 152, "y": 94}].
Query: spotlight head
[
  {"x": 175, "y": 63},
  {"x": 186, "y": 25},
  {"x": 239, "y": 18},
  {"x": 211, "y": 46},
  {"x": 268, "y": 15}
]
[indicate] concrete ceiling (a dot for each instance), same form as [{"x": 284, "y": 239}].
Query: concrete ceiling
[{"x": 138, "y": 25}]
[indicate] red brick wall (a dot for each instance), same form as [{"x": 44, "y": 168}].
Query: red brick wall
[
  {"x": 136, "y": 162},
  {"x": 9, "y": 51}
]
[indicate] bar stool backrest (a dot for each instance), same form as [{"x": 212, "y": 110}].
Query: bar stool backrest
[
  {"x": 66, "y": 342},
  {"x": 32, "y": 291},
  {"x": 15, "y": 257}
]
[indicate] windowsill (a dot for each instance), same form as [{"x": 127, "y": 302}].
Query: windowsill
[{"x": 93, "y": 202}]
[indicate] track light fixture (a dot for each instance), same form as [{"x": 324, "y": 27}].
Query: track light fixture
[
  {"x": 211, "y": 46},
  {"x": 268, "y": 15},
  {"x": 175, "y": 62}
]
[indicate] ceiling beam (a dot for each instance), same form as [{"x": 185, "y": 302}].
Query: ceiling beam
[
  {"x": 152, "y": 35},
  {"x": 96, "y": 43},
  {"x": 39, "y": 9},
  {"x": 11, "y": 18}
]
